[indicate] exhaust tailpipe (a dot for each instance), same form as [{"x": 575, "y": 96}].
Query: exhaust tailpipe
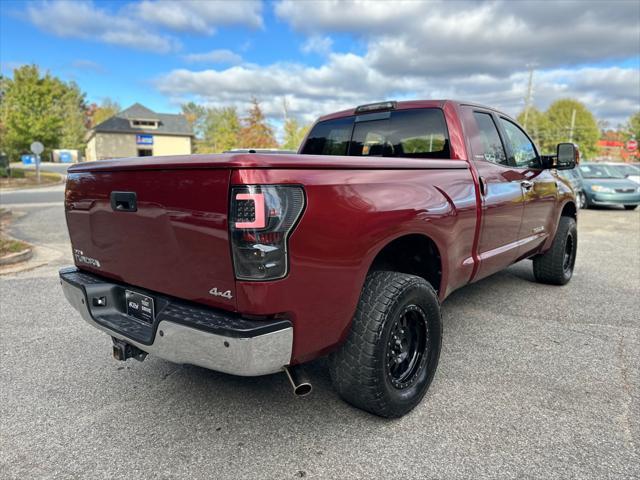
[{"x": 298, "y": 380}]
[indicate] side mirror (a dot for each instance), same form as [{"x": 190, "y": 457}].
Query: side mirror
[{"x": 568, "y": 156}]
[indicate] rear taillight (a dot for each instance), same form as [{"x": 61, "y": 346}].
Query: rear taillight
[{"x": 261, "y": 219}]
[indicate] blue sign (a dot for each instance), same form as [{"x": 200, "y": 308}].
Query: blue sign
[
  {"x": 144, "y": 139},
  {"x": 28, "y": 159},
  {"x": 65, "y": 157}
]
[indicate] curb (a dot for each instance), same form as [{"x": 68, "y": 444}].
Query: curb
[{"x": 17, "y": 257}]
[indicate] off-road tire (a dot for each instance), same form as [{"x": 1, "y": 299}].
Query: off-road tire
[
  {"x": 630, "y": 207},
  {"x": 553, "y": 267},
  {"x": 359, "y": 368}
]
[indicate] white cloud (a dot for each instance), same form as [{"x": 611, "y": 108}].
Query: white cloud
[
  {"x": 85, "y": 20},
  {"x": 347, "y": 80},
  {"x": 135, "y": 25},
  {"x": 409, "y": 37},
  {"x": 317, "y": 44},
  {"x": 88, "y": 65},
  {"x": 198, "y": 16},
  {"x": 214, "y": 56}
]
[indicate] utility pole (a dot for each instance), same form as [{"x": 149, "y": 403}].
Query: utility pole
[
  {"x": 527, "y": 100},
  {"x": 285, "y": 107},
  {"x": 573, "y": 125}
]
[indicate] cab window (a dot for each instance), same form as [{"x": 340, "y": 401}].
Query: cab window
[
  {"x": 331, "y": 137},
  {"x": 524, "y": 153},
  {"x": 413, "y": 133},
  {"x": 488, "y": 143}
]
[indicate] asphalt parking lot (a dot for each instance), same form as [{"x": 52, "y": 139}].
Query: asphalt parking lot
[{"x": 534, "y": 382}]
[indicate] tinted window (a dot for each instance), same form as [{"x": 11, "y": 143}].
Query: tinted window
[
  {"x": 419, "y": 133},
  {"x": 492, "y": 149},
  {"x": 330, "y": 138},
  {"x": 404, "y": 133},
  {"x": 524, "y": 153}
]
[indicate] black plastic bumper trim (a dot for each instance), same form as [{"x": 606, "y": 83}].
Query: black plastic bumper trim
[{"x": 113, "y": 315}]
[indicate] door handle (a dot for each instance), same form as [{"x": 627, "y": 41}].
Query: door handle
[
  {"x": 483, "y": 186},
  {"x": 124, "y": 201},
  {"x": 526, "y": 184}
]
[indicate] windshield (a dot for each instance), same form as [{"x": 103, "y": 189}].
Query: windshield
[
  {"x": 418, "y": 133},
  {"x": 600, "y": 171},
  {"x": 626, "y": 170}
]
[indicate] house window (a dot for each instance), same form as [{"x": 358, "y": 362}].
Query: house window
[
  {"x": 145, "y": 152},
  {"x": 144, "y": 123}
]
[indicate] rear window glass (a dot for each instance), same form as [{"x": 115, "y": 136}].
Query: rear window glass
[
  {"x": 329, "y": 138},
  {"x": 419, "y": 133}
]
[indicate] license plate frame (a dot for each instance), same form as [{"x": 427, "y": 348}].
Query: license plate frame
[{"x": 140, "y": 306}]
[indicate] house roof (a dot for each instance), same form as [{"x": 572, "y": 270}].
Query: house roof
[{"x": 168, "y": 123}]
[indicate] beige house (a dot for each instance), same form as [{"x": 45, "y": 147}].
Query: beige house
[{"x": 139, "y": 132}]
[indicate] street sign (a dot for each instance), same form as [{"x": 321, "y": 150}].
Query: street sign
[
  {"x": 37, "y": 148},
  {"x": 144, "y": 139},
  {"x": 632, "y": 145}
]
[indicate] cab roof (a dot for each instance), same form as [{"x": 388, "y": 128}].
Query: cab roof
[{"x": 408, "y": 104}]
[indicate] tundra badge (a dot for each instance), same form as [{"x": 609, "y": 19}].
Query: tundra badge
[{"x": 82, "y": 258}]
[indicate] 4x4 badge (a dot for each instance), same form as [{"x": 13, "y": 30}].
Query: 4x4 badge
[{"x": 217, "y": 293}]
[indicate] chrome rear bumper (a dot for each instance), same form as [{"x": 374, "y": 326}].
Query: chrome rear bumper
[{"x": 240, "y": 351}]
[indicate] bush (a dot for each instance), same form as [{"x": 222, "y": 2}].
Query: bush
[{"x": 13, "y": 172}]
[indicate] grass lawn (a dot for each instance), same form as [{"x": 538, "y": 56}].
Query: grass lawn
[
  {"x": 8, "y": 246},
  {"x": 27, "y": 178}
]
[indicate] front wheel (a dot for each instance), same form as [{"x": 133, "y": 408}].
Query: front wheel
[
  {"x": 391, "y": 353},
  {"x": 630, "y": 207},
  {"x": 581, "y": 200},
  {"x": 555, "y": 267}
]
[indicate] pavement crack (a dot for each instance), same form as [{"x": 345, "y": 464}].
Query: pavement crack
[{"x": 624, "y": 417}]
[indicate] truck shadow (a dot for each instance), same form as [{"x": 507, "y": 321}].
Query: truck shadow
[{"x": 240, "y": 402}]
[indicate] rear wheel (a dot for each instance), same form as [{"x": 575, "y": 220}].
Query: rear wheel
[
  {"x": 630, "y": 207},
  {"x": 555, "y": 267},
  {"x": 390, "y": 356}
]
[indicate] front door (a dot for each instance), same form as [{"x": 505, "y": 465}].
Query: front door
[
  {"x": 501, "y": 192},
  {"x": 539, "y": 188}
]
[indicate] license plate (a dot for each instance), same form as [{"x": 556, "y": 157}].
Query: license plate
[{"x": 140, "y": 306}]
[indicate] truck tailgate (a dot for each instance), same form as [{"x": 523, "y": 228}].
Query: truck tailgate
[{"x": 170, "y": 235}]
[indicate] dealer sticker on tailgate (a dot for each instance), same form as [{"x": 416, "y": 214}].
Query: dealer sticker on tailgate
[{"x": 140, "y": 306}]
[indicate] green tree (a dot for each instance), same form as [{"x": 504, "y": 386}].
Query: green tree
[
  {"x": 538, "y": 128},
  {"x": 585, "y": 132},
  {"x": 196, "y": 115},
  {"x": 633, "y": 125},
  {"x": 294, "y": 133},
  {"x": 256, "y": 132},
  {"x": 72, "y": 108},
  {"x": 221, "y": 130},
  {"x": 39, "y": 107},
  {"x": 107, "y": 109}
]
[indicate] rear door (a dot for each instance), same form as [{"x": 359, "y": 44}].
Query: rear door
[
  {"x": 539, "y": 187},
  {"x": 501, "y": 193}
]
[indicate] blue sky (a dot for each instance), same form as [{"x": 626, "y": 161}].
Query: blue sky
[{"x": 327, "y": 55}]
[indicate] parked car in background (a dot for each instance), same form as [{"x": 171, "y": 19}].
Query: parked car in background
[
  {"x": 604, "y": 184},
  {"x": 632, "y": 172},
  {"x": 574, "y": 179}
]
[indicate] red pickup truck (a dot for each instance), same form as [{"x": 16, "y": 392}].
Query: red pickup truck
[{"x": 253, "y": 264}]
